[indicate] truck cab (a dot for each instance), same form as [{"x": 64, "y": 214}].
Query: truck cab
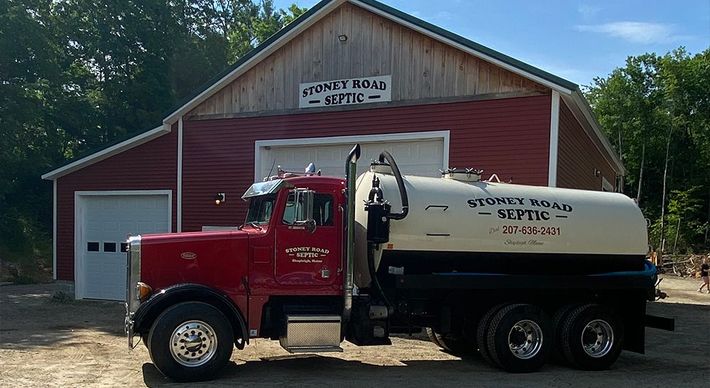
[{"x": 295, "y": 235}]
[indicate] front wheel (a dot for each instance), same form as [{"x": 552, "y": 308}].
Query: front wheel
[{"x": 191, "y": 341}]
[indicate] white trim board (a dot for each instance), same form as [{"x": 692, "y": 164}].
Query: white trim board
[
  {"x": 554, "y": 139},
  {"x": 178, "y": 225},
  {"x": 107, "y": 153},
  {"x": 54, "y": 229},
  {"x": 79, "y": 291},
  {"x": 354, "y": 139}
]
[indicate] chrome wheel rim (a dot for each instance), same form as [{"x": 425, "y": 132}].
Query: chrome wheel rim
[
  {"x": 525, "y": 339},
  {"x": 597, "y": 338},
  {"x": 193, "y": 343}
]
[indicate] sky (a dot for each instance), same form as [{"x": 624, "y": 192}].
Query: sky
[{"x": 575, "y": 40}]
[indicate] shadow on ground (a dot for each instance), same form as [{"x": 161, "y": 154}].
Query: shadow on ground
[{"x": 302, "y": 370}]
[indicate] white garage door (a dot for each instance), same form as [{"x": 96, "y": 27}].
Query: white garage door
[
  {"x": 103, "y": 223},
  {"x": 415, "y": 156}
]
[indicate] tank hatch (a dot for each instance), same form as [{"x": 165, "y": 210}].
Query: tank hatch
[
  {"x": 467, "y": 175},
  {"x": 381, "y": 167}
]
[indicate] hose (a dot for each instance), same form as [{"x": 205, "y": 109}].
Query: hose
[
  {"x": 400, "y": 185},
  {"x": 373, "y": 276}
]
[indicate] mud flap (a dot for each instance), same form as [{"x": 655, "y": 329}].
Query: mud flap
[{"x": 661, "y": 323}]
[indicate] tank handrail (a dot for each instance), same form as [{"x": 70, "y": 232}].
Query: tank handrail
[
  {"x": 400, "y": 185},
  {"x": 492, "y": 177}
]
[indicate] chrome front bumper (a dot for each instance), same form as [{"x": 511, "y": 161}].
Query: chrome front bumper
[{"x": 128, "y": 321}]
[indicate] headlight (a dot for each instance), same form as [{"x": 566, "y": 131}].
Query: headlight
[{"x": 143, "y": 291}]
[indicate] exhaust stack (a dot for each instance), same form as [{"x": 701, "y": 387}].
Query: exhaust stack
[{"x": 350, "y": 172}]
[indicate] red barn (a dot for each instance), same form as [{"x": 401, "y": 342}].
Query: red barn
[{"x": 345, "y": 72}]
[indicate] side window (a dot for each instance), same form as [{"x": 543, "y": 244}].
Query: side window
[
  {"x": 322, "y": 210},
  {"x": 290, "y": 211}
]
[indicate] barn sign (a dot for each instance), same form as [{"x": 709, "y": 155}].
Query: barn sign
[{"x": 346, "y": 91}]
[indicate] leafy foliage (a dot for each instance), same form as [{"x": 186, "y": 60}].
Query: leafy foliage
[
  {"x": 76, "y": 75},
  {"x": 652, "y": 103}
]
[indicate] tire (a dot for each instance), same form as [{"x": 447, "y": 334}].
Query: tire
[
  {"x": 591, "y": 338},
  {"x": 144, "y": 339},
  {"x": 482, "y": 334},
  {"x": 198, "y": 329},
  {"x": 520, "y": 338},
  {"x": 557, "y": 321}
]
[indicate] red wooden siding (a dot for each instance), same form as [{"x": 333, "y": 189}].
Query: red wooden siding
[
  {"x": 578, "y": 157},
  {"x": 150, "y": 166},
  {"x": 507, "y": 136}
]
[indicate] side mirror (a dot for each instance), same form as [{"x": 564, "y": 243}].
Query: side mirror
[
  {"x": 303, "y": 201},
  {"x": 310, "y": 225}
]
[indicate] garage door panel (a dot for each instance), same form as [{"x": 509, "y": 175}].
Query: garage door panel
[
  {"x": 110, "y": 226},
  {"x": 108, "y": 220},
  {"x": 414, "y": 157}
]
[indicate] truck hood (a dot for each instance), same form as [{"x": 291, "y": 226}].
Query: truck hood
[{"x": 218, "y": 259}]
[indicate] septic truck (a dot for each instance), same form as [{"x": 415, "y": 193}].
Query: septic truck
[{"x": 516, "y": 273}]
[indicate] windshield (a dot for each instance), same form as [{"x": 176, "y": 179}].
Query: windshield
[{"x": 261, "y": 208}]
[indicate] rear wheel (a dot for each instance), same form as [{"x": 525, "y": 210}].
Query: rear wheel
[
  {"x": 482, "y": 334},
  {"x": 557, "y": 321},
  {"x": 591, "y": 338},
  {"x": 520, "y": 338},
  {"x": 190, "y": 341}
]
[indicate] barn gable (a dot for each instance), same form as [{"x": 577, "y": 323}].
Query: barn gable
[{"x": 351, "y": 42}]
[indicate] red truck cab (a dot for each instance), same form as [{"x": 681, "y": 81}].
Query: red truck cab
[{"x": 288, "y": 254}]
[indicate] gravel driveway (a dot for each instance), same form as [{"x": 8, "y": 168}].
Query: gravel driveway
[{"x": 50, "y": 342}]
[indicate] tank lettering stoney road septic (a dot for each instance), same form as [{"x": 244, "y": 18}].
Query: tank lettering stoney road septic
[{"x": 521, "y": 214}]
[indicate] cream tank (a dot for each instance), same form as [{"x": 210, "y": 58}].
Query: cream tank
[{"x": 450, "y": 215}]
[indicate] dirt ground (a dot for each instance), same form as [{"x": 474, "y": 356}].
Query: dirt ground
[{"x": 46, "y": 341}]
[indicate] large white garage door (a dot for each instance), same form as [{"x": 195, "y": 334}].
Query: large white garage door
[
  {"x": 103, "y": 223},
  {"x": 415, "y": 156}
]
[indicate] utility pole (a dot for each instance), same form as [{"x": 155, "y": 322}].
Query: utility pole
[
  {"x": 663, "y": 200},
  {"x": 643, "y": 159}
]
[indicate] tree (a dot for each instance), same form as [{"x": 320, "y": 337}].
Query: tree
[
  {"x": 658, "y": 110},
  {"x": 33, "y": 135},
  {"x": 76, "y": 75}
]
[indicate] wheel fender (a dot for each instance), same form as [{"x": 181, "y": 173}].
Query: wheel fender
[{"x": 150, "y": 310}]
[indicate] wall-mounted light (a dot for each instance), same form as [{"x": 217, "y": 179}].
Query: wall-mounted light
[
  {"x": 220, "y": 198},
  {"x": 597, "y": 172},
  {"x": 342, "y": 37}
]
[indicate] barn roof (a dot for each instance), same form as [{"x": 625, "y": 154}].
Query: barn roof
[{"x": 569, "y": 91}]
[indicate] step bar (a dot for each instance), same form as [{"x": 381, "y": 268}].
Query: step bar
[{"x": 312, "y": 334}]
